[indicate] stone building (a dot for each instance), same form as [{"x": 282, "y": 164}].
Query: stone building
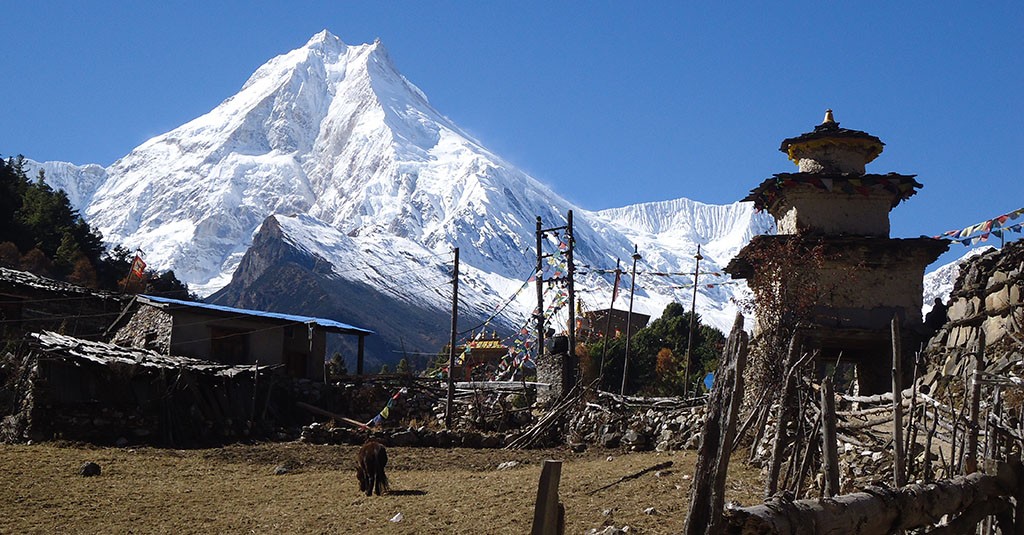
[
  {"x": 832, "y": 272},
  {"x": 232, "y": 335},
  {"x": 592, "y": 324}
]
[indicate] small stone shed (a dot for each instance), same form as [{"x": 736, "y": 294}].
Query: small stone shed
[
  {"x": 31, "y": 303},
  {"x": 232, "y": 335}
]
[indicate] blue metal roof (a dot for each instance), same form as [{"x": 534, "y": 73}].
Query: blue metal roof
[{"x": 320, "y": 322}]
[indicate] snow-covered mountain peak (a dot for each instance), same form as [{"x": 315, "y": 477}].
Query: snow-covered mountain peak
[
  {"x": 324, "y": 39},
  {"x": 335, "y": 135}
]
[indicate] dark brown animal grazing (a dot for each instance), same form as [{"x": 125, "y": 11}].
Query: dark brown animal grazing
[{"x": 370, "y": 463}]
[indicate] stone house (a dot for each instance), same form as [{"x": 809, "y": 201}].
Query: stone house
[
  {"x": 231, "y": 335},
  {"x": 592, "y": 324}
]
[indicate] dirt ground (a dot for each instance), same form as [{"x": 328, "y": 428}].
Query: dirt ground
[{"x": 235, "y": 490}]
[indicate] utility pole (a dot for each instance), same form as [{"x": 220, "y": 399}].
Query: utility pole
[
  {"x": 693, "y": 313},
  {"x": 540, "y": 289},
  {"x": 451, "y": 343},
  {"x": 629, "y": 321},
  {"x": 608, "y": 318},
  {"x": 571, "y": 288}
]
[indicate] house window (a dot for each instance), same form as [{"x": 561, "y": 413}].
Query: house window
[{"x": 229, "y": 346}]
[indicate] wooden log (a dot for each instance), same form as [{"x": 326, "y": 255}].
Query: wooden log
[
  {"x": 967, "y": 521},
  {"x": 876, "y": 510},
  {"x": 707, "y": 494}
]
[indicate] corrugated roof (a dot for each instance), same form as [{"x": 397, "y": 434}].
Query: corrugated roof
[{"x": 326, "y": 324}]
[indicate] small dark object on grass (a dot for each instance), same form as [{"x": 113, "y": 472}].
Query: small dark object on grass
[
  {"x": 370, "y": 463},
  {"x": 89, "y": 469}
]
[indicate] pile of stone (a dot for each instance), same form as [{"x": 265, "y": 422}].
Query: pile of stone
[
  {"x": 986, "y": 301},
  {"x": 637, "y": 424},
  {"x": 317, "y": 433},
  {"x": 487, "y": 411}
]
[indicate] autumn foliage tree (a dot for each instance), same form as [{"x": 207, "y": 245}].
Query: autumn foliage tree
[{"x": 657, "y": 355}]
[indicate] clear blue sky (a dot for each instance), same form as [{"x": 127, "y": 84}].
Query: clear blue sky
[{"x": 610, "y": 103}]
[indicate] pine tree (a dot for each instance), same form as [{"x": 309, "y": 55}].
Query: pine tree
[{"x": 66, "y": 255}]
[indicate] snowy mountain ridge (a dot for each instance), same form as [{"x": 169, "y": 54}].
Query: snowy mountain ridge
[{"x": 358, "y": 168}]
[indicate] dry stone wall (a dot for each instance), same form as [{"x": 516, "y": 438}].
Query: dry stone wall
[{"x": 985, "y": 302}]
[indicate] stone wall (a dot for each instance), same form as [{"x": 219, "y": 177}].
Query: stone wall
[
  {"x": 986, "y": 300},
  {"x": 148, "y": 328}
]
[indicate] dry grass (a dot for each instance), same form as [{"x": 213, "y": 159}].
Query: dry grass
[{"x": 235, "y": 490}]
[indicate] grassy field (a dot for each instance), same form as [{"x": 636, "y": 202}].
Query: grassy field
[{"x": 235, "y": 489}]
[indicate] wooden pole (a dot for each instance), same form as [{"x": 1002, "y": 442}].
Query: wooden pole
[
  {"x": 539, "y": 315},
  {"x": 898, "y": 467},
  {"x": 571, "y": 289},
  {"x": 451, "y": 343},
  {"x": 360, "y": 353},
  {"x": 782, "y": 417},
  {"x": 693, "y": 314},
  {"x": 829, "y": 448},
  {"x": 629, "y": 322},
  {"x": 971, "y": 454},
  {"x": 608, "y": 318}
]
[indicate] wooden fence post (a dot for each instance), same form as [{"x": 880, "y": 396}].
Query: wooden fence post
[
  {"x": 829, "y": 448},
  {"x": 707, "y": 491},
  {"x": 782, "y": 416},
  {"x": 899, "y": 472},
  {"x": 971, "y": 453},
  {"x": 548, "y": 513}
]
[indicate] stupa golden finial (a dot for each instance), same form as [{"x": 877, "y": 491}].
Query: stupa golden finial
[{"x": 828, "y": 117}]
